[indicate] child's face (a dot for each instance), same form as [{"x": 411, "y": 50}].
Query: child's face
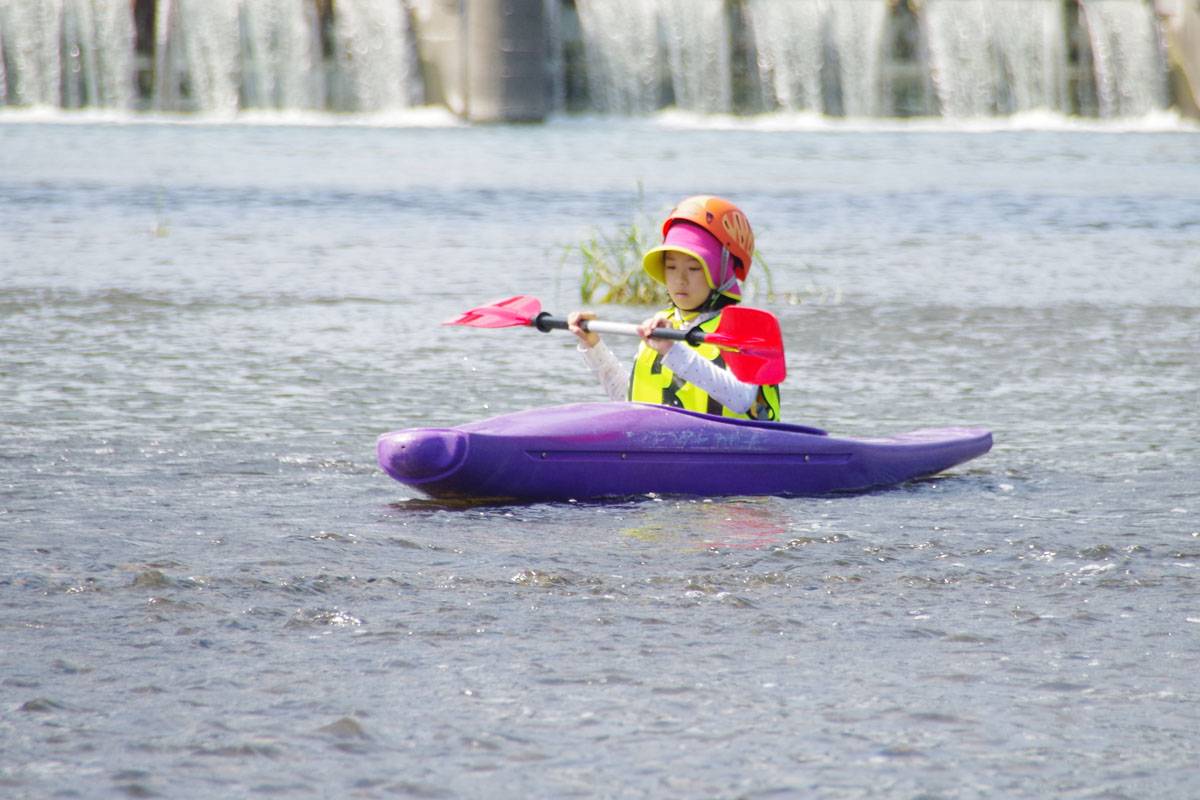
[{"x": 686, "y": 280}]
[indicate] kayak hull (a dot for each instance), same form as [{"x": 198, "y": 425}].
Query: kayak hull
[{"x": 588, "y": 451}]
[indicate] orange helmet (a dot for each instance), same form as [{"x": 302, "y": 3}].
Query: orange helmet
[{"x": 723, "y": 220}]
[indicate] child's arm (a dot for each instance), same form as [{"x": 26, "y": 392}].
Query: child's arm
[
  {"x": 720, "y": 383},
  {"x": 607, "y": 369}
]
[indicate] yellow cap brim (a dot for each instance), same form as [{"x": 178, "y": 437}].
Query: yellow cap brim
[{"x": 654, "y": 264}]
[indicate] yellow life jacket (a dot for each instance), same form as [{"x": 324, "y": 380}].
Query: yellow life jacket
[{"x": 651, "y": 382}]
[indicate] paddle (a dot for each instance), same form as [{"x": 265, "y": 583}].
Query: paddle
[{"x": 750, "y": 338}]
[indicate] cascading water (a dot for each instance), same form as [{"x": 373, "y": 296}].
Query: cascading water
[
  {"x": 856, "y": 29},
  {"x": 208, "y": 55},
  {"x": 232, "y": 54},
  {"x": 957, "y": 33},
  {"x": 66, "y": 53},
  {"x": 374, "y": 55},
  {"x": 1031, "y": 44},
  {"x": 790, "y": 36},
  {"x": 698, "y": 50},
  {"x": 983, "y": 57},
  {"x": 1129, "y": 63},
  {"x": 281, "y": 55},
  {"x": 623, "y": 57},
  {"x": 837, "y": 57},
  {"x": 198, "y": 41},
  {"x": 820, "y": 56},
  {"x": 990, "y": 57},
  {"x": 638, "y": 48}
]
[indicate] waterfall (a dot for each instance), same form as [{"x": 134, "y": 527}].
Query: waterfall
[
  {"x": 198, "y": 52},
  {"x": 226, "y": 55},
  {"x": 372, "y": 45},
  {"x": 636, "y": 49},
  {"x": 623, "y": 61},
  {"x": 983, "y": 57},
  {"x": 281, "y": 55},
  {"x": 698, "y": 52},
  {"x": 66, "y": 53},
  {"x": 960, "y": 58},
  {"x": 789, "y": 36},
  {"x": 819, "y": 55},
  {"x": 1127, "y": 57},
  {"x": 209, "y": 55},
  {"x": 857, "y": 34},
  {"x": 1031, "y": 43},
  {"x": 853, "y": 58},
  {"x": 991, "y": 57}
]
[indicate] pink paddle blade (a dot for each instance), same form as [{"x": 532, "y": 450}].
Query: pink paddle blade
[
  {"x": 506, "y": 313},
  {"x": 753, "y": 345}
]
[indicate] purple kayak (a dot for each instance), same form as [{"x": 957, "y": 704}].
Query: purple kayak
[{"x": 596, "y": 450}]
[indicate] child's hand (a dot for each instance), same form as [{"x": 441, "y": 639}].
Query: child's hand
[
  {"x": 573, "y": 319},
  {"x": 659, "y": 320}
]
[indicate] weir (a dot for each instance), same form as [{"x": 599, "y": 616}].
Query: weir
[{"x": 522, "y": 59}]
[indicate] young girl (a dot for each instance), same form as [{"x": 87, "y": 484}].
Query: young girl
[{"x": 707, "y": 248}]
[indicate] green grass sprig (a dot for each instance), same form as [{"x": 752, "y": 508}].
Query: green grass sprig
[{"x": 612, "y": 266}]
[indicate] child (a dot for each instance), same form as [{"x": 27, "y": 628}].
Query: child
[{"x": 707, "y": 248}]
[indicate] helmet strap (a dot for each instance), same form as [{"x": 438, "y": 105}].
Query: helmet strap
[{"x": 726, "y": 270}]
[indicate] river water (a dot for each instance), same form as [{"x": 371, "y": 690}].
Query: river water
[{"x": 209, "y": 588}]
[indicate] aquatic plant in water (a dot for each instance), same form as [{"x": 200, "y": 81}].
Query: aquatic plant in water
[{"x": 612, "y": 266}]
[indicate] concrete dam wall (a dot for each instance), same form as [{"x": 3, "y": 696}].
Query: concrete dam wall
[{"x": 521, "y": 60}]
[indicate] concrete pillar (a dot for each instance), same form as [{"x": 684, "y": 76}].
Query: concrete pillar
[
  {"x": 1181, "y": 25},
  {"x": 485, "y": 59}
]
